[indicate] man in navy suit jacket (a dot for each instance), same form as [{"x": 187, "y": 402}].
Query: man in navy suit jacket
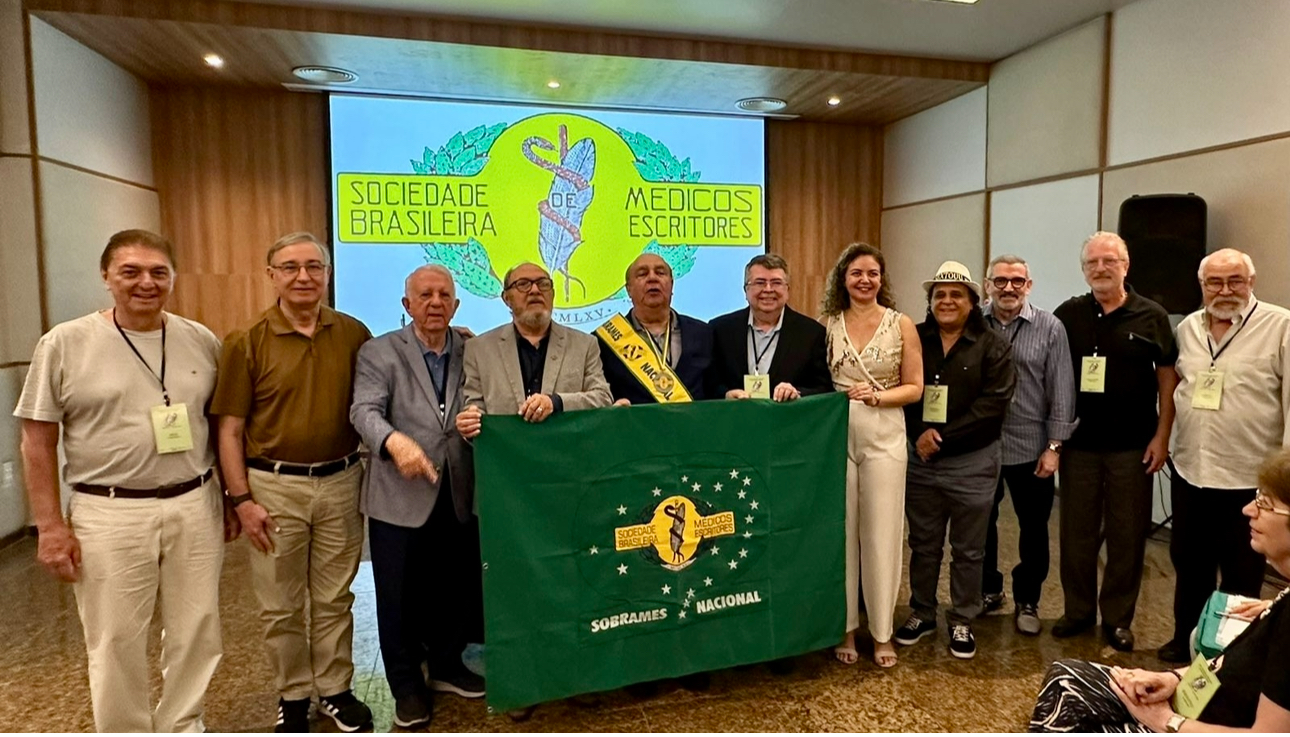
[
  {"x": 684, "y": 342},
  {"x": 769, "y": 338}
]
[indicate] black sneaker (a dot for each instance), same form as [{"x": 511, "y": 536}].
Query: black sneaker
[
  {"x": 461, "y": 682},
  {"x": 962, "y": 643},
  {"x": 993, "y": 602},
  {"x": 411, "y": 711},
  {"x": 349, "y": 714},
  {"x": 293, "y": 716},
  {"x": 913, "y": 630}
]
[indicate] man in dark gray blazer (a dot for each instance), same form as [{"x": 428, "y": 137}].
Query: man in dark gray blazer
[{"x": 418, "y": 497}]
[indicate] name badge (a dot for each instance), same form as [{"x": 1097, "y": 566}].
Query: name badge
[
  {"x": 1209, "y": 390},
  {"x": 936, "y": 403},
  {"x": 757, "y": 386},
  {"x": 170, "y": 428},
  {"x": 1092, "y": 375},
  {"x": 1197, "y": 687}
]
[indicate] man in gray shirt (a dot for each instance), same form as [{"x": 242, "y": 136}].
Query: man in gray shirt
[{"x": 1040, "y": 418}]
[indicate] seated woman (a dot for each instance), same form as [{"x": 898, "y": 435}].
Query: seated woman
[{"x": 1254, "y": 690}]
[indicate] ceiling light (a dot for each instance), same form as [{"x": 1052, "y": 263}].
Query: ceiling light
[
  {"x": 761, "y": 104},
  {"x": 835, "y": 101},
  {"x": 214, "y": 61},
  {"x": 325, "y": 75},
  {"x": 961, "y": 2},
  {"x": 553, "y": 84}
]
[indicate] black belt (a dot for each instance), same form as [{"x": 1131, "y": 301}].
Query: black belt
[
  {"x": 313, "y": 470},
  {"x": 164, "y": 492}
]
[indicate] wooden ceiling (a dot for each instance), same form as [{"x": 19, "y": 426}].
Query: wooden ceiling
[{"x": 164, "y": 42}]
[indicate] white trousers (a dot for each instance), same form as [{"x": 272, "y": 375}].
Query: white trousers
[
  {"x": 876, "y": 462},
  {"x": 132, "y": 551}
]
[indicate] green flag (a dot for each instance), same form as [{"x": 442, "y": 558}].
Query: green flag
[{"x": 623, "y": 545}]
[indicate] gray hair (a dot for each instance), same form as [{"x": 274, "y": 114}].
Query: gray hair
[
  {"x": 1006, "y": 258},
  {"x": 506, "y": 278},
  {"x": 292, "y": 239},
  {"x": 432, "y": 268},
  {"x": 770, "y": 261},
  {"x": 1226, "y": 253},
  {"x": 1108, "y": 235}
]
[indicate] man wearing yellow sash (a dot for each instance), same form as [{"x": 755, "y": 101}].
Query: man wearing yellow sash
[{"x": 654, "y": 354}]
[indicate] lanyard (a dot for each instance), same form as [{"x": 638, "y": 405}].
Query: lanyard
[
  {"x": 664, "y": 352},
  {"x": 757, "y": 357},
  {"x": 1213, "y": 357},
  {"x": 165, "y": 395},
  {"x": 441, "y": 386}
]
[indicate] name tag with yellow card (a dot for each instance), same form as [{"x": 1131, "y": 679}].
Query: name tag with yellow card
[
  {"x": 1209, "y": 390},
  {"x": 757, "y": 386},
  {"x": 1092, "y": 375},
  {"x": 936, "y": 403},
  {"x": 1197, "y": 687},
  {"x": 170, "y": 428}
]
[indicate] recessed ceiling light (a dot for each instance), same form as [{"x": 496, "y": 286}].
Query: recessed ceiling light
[
  {"x": 835, "y": 101},
  {"x": 553, "y": 84},
  {"x": 761, "y": 104},
  {"x": 960, "y": 2},
  {"x": 325, "y": 75},
  {"x": 214, "y": 61}
]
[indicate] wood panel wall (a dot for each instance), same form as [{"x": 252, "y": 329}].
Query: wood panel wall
[{"x": 237, "y": 169}]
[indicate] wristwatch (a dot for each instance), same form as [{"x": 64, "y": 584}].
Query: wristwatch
[
  {"x": 1055, "y": 446},
  {"x": 236, "y": 500},
  {"x": 1175, "y": 723}
]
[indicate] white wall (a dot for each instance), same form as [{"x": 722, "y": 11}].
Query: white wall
[
  {"x": 917, "y": 239},
  {"x": 937, "y": 153}
]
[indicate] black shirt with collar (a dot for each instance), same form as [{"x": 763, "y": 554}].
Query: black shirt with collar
[
  {"x": 1135, "y": 339},
  {"x": 532, "y": 364},
  {"x": 981, "y": 379}
]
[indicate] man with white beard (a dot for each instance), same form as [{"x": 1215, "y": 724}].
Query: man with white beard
[{"x": 1233, "y": 408}]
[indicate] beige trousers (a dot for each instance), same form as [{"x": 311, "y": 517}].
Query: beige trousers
[
  {"x": 307, "y": 577},
  {"x": 876, "y": 462},
  {"x": 132, "y": 551}
]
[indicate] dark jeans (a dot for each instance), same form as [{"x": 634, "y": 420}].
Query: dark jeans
[
  {"x": 1210, "y": 535},
  {"x": 1105, "y": 496},
  {"x": 429, "y": 594},
  {"x": 1032, "y": 498}
]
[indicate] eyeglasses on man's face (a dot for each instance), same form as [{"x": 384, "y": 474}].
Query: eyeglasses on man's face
[
  {"x": 1092, "y": 263},
  {"x": 1001, "y": 282},
  {"x": 1264, "y": 504},
  {"x": 544, "y": 284},
  {"x": 291, "y": 268},
  {"x": 775, "y": 284},
  {"x": 1214, "y": 285}
]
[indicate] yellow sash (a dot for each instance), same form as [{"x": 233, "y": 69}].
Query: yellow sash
[{"x": 659, "y": 380}]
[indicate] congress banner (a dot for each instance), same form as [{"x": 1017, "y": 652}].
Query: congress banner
[{"x": 623, "y": 545}]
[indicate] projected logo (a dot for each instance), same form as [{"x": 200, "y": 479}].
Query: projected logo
[{"x": 561, "y": 190}]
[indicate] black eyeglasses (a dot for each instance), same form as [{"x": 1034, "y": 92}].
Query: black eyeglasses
[
  {"x": 1001, "y": 282},
  {"x": 1234, "y": 283},
  {"x": 544, "y": 284}
]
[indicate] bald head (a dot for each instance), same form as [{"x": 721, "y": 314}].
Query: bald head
[
  {"x": 418, "y": 274},
  {"x": 430, "y": 297},
  {"x": 649, "y": 282},
  {"x": 1226, "y": 258}
]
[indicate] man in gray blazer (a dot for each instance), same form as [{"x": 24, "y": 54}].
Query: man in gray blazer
[
  {"x": 532, "y": 366},
  {"x": 418, "y": 497}
]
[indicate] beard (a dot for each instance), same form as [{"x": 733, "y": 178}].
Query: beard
[
  {"x": 538, "y": 319},
  {"x": 1226, "y": 309}
]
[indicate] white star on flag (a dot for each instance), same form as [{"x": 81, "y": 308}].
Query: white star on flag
[
  {"x": 753, "y": 505},
  {"x": 734, "y": 564},
  {"x": 742, "y": 493},
  {"x": 685, "y": 604},
  {"x": 716, "y": 550},
  {"x": 743, "y": 553},
  {"x": 747, "y": 481},
  {"x": 747, "y": 534},
  {"x": 656, "y": 491},
  {"x": 667, "y": 589},
  {"x": 595, "y": 550},
  {"x": 697, "y": 486},
  {"x": 690, "y": 593},
  {"x": 748, "y": 519},
  {"x": 622, "y": 569},
  {"x": 716, "y": 486},
  {"x": 734, "y": 474},
  {"x": 622, "y": 509},
  {"x": 707, "y": 582},
  {"x": 685, "y": 479},
  {"x": 681, "y": 615}
]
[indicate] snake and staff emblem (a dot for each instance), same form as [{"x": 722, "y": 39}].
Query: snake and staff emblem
[
  {"x": 560, "y": 233},
  {"x": 677, "y": 533}
]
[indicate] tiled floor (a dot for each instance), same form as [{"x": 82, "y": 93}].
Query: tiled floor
[{"x": 43, "y": 685}]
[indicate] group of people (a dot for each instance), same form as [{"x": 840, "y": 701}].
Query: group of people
[{"x": 944, "y": 415}]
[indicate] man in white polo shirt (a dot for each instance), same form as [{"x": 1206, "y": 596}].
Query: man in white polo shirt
[{"x": 126, "y": 389}]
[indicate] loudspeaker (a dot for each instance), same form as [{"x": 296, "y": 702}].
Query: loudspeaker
[{"x": 1165, "y": 234}]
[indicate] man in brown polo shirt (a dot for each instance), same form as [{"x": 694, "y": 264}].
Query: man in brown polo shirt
[{"x": 291, "y": 468}]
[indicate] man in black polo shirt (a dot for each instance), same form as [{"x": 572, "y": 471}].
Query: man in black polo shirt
[{"x": 1123, "y": 353}]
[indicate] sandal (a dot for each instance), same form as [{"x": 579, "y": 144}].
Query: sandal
[
  {"x": 884, "y": 654},
  {"x": 845, "y": 652}
]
